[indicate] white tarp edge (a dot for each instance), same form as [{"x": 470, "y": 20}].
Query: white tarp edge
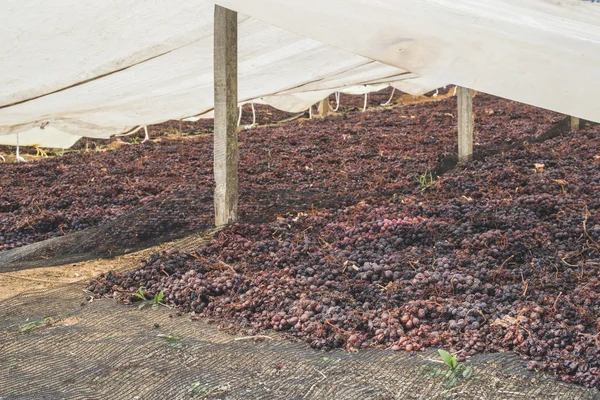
[
  {"x": 298, "y": 102},
  {"x": 38, "y": 137},
  {"x": 96, "y": 69},
  {"x": 540, "y": 52}
]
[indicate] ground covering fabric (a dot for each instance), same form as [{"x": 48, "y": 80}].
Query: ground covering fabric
[{"x": 55, "y": 344}]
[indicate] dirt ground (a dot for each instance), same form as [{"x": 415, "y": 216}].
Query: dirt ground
[
  {"x": 13, "y": 283},
  {"x": 27, "y": 280}
]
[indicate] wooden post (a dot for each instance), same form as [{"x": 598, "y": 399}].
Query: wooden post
[
  {"x": 465, "y": 124},
  {"x": 574, "y": 124},
  {"x": 324, "y": 107},
  {"x": 225, "y": 129}
]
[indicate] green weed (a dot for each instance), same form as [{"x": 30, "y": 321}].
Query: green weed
[
  {"x": 205, "y": 391},
  {"x": 455, "y": 372},
  {"x": 172, "y": 340},
  {"x": 154, "y": 302},
  {"x": 30, "y": 326},
  {"x": 326, "y": 361},
  {"x": 425, "y": 180}
]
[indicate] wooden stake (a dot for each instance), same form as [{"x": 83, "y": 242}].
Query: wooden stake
[
  {"x": 465, "y": 124},
  {"x": 324, "y": 107},
  {"x": 574, "y": 124},
  {"x": 225, "y": 129}
]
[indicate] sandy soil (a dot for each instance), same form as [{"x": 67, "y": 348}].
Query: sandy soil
[{"x": 14, "y": 283}]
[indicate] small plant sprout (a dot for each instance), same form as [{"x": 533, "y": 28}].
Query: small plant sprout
[
  {"x": 456, "y": 370},
  {"x": 449, "y": 359},
  {"x": 206, "y": 391},
  {"x": 172, "y": 340},
  {"x": 31, "y": 326},
  {"x": 425, "y": 180},
  {"x": 454, "y": 373},
  {"x": 140, "y": 293},
  {"x": 154, "y": 302}
]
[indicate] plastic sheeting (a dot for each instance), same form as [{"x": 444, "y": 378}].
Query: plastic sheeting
[
  {"x": 97, "y": 69},
  {"x": 297, "y": 102},
  {"x": 541, "y": 52},
  {"x": 47, "y": 137}
]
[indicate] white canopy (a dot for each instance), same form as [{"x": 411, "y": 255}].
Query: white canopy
[
  {"x": 99, "y": 68},
  {"x": 96, "y": 69},
  {"x": 541, "y": 52}
]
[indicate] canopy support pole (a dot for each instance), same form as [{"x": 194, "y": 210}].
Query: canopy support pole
[
  {"x": 465, "y": 124},
  {"x": 324, "y": 107},
  {"x": 574, "y": 123},
  {"x": 226, "y": 116}
]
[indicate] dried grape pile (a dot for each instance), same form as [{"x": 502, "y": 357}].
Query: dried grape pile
[
  {"x": 282, "y": 167},
  {"x": 501, "y": 255}
]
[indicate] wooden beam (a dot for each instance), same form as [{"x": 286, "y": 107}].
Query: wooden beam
[
  {"x": 225, "y": 129},
  {"x": 324, "y": 107},
  {"x": 574, "y": 123},
  {"x": 465, "y": 124}
]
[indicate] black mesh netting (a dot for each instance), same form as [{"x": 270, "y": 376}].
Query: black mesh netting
[
  {"x": 53, "y": 346},
  {"x": 171, "y": 216},
  {"x": 56, "y": 345}
]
